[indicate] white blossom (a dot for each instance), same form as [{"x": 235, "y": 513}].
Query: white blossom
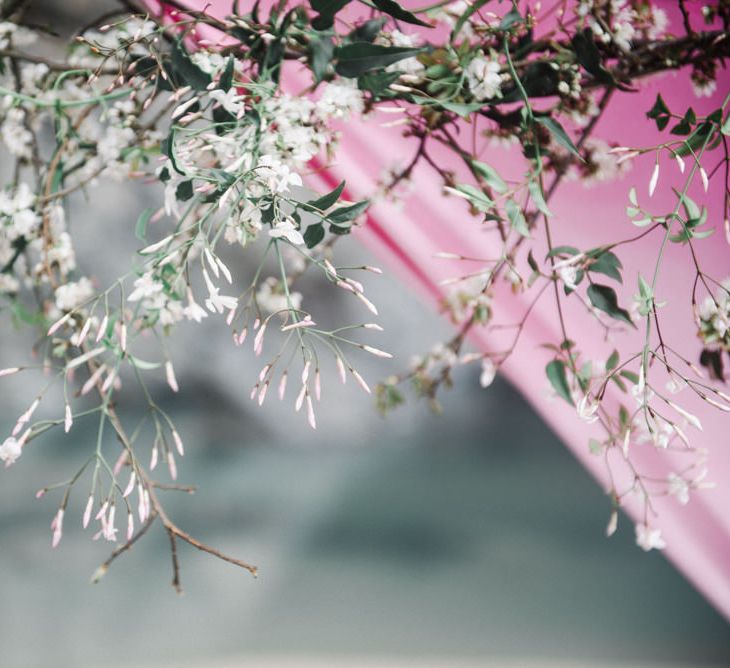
[
  {"x": 488, "y": 373},
  {"x": 72, "y": 295},
  {"x": 483, "y": 78},
  {"x": 648, "y": 538},
  {"x": 678, "y": 487},
  {"x": 10, "y": 451},
  {"x": 287, "y": 229}
]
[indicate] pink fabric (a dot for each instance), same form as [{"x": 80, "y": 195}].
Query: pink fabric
[{"x": 407, "y": 237}]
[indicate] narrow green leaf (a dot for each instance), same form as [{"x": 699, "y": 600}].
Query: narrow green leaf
[
  {"x": 393, "y": 9},
  {"x": 491, "y": 176},
  {"x": 346, "y": 214},
  {"x": 516, "y": 218},
  {"x": 326, "y": 10},
  {"x": 559, "y": 134},
  {"x": 140, "y": 229},
  {"x": 357, "y": 58},
  {"x": 604, "y": 299},
  {"x": 321, "y": 50},
  {"x": 226, "y": 80},
  {"x": 475, "y": 196},
  {"x": 326, "y": 201},
  {"x": 555, "y": 371},
  {"x": 536, "y": 194},
  {"x": 186, "y": 69}
]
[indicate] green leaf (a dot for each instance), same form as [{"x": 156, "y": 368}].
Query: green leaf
[
  {"x": 320, "y": 55},
  {"x": 612, "y": 361},
  {"x": 555, "y": 371},
  {"x": 630, "y": 375},
  {"x": 346, "y": 214},
  {"x": 476, "y": 197},
  {"x": 491, "y": 176},
  {"x": 608, "y": 264},
  {"x": 377, "y": 82},
  {"x": 184, "y": 190},
  {"x": 511, "y": 18},
  {"x": 186, "y": 69},
  {"x": 226, "y": 80},
  {"x": 368, "y": 31},
  {"x": 313, "y": 235},
  {"x": 645, "y": 289},
  {"x": 562, "y": 250},
  {"x": 393, "y": 9},
  {"x": 536, "y": 194},
  {"x": 143, "y": 364},
  {"x": 326, "y": 201},
  {"x": 516, "y": 218},
  {"x": 559, "y": 134},
  {"x": 604, "y": 299},
  {"x": 140, "y": 229},
  {"x": 589, "y": 56},
  {"x": 357, "y": 58},
  {"x": 696, "y": 140},
  {"x": 167, "y": 147},
  {"x": 326, "y": 10},
  {"x": 725, "y": 129},
  {"x": 660, "y": 113}
]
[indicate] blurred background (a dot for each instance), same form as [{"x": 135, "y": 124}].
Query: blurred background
[{"x": 472, "y": 538}]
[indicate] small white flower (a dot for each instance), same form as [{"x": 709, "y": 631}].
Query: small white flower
[
  {"x": 678, "y": 487},
  {"x": 568, "y": 274},
  {"x": 229, "y": 100},
  {"x": 649, "y": 539},
  {"x": 145, "y": 287},
  {"x": 10, "y": 451},
  {"x": 217, "y": 302},
  {"x": 277, "y": 175},
  {"x": 587, "y": 409},
  {"x": 654, "y": 179},
  {"x": 489, "y": 372},
  {"x": 483, "y": 78},
  {"x": 194, "y": 311},
  {"x": 287, "y": 230}
]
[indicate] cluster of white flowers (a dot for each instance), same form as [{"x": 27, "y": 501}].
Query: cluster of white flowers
[
  {"x": 468, "y": 299},
  {"x": 18, "y": 213},
  {"x": 340, "y": 98},
  {"x": 14, "y": 35},
  {"x": 616, "y": 24},
  {"x": 621, "y": 21},
  {"x": 16, "y": 136},
  {"x": 713, "y": 317},
  {"x": 72, "y": 295},
  {"x": 235, "y": 153},
  {"x": 10, "y": 450},
  {"x": 600, "y": 163},
  {"x": 483, "y": 77},
  {"x": 156, "y": 299}
]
